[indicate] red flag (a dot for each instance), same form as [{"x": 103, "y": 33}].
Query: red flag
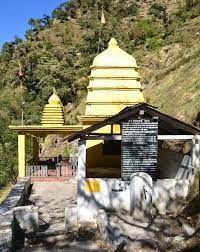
[{"x": 20, "y": 72}]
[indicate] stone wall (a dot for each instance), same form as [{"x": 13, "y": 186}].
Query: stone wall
[
  {"x": 16, "y": 197},
  {"x": 170, "y": 194}
]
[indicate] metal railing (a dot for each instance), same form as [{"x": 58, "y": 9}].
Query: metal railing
[
  {"x": 36, "y": 171},
  {"x": 51, "y": 167}
]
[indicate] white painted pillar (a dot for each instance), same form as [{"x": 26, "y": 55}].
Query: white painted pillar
[
  {"x": 81, "y": 159},
  {"x": 81, "y": 180},
  {"x": 86, "y": 207},
  {"x": 196, "y": 152}
]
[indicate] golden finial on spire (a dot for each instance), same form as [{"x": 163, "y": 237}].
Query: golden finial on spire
[
  {"x": 54, "y": 99},
  {"x": 112, "y": 43},
  {"x": 54, "y": 91}
]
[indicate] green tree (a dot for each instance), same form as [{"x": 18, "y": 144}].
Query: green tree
[
  {"x": 31, "y": 22},
  {"x": 157, "y": 10},
  {"x": 47, "y": 21},
  {"x": 189, "y": 4}
]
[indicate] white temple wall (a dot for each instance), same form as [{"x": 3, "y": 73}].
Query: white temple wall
[
  {"x": 168, "y": 195},
  {"x": 114, "y": 194},
  {"x": 109, "y": 197}
]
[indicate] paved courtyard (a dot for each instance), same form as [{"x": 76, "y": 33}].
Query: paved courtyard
[{"x": 52, "y": 198}]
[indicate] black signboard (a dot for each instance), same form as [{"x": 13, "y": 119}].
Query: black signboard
[{"x": 139, "y": 147}]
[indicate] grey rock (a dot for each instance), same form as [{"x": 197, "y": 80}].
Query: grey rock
[
  {"x": 27, "y": 218},
  {"x": 179, "y": 238},
  {"x": 188, "y": 230},
  {"x": 71, "y": 216},
  {"x": 5, "y": 239},
  {"x": 186, "y": 227}
]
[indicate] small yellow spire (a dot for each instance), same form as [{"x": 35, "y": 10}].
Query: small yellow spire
[
  {"x": 53, "y": 112},
  {"x": 112, "y": 43}
]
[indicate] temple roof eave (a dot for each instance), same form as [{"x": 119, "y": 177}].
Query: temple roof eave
[{"x": 50, "y": 129}]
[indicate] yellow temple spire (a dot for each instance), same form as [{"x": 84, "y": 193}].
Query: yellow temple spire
[
  {"x": 114, "y": 83},
  {"x": 53, "y": 111}
]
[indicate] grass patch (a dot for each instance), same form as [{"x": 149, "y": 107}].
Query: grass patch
[{"x": 4, "y": 191}]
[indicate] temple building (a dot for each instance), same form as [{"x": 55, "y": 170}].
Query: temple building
[
  {"x": 114, "y": 84},
  {"x": 120, "y": 143},
  {"x": 52, "y": 122}
]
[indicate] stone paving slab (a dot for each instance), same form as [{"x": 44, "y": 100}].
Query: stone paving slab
[
  {"x": 52, "y": 198},
  {"x": 62, "y": 245}
]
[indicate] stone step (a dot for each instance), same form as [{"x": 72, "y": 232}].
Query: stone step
[
  {"x": 51, "y": 232},
  {"x": 49, "y": 179},
  {"x": 47, "y": 221},
  {"x": 52, "y": 215},
  {"x": 63, "y": 242}
]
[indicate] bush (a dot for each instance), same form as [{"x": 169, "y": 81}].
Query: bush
[
  {"x": 148, "y": 26},
  {"x": 144, "y": 29},
  {"x": 124, "y": 10},
  {"x": 189, "y": 4},
  {"x": 157, "y": 9},
  {"x": 48, "y": 45},
  {"x": 182, "y": 14},
  {"x": 189, "y": 10},
  {"x": 139, "y": 35},
  {"x": 132, "y": 9},
  {"x": 153, "y": 43}
]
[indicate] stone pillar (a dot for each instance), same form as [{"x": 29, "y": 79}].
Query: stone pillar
[
  {"x": 36, "y": 149},
  {"x": 141, "y": 196},
  {"x": 21, "y": 155},
  {"x": 196, "y": 152}
]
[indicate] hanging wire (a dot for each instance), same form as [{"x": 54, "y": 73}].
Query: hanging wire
[
  {"x": 100, "y": 30},
  {"x": 99, "y": 38}
]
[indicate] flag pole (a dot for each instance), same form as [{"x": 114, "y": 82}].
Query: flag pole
[
  {"x": 21, "y": 75},
  {"x": 102, "y": 22},
  {"x": 99, "y": 38},
  {"x": 22, "y": 105}
]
